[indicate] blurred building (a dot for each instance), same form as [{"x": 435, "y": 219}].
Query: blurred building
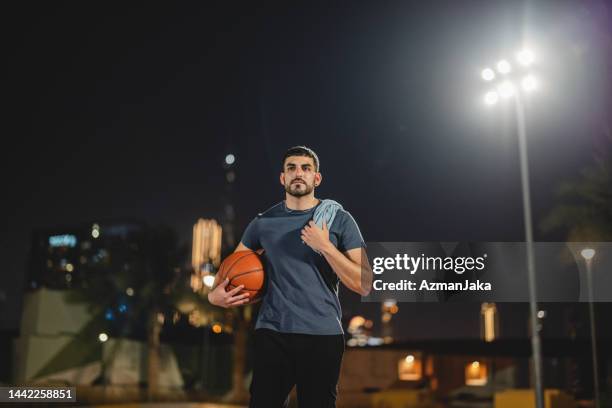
[
  {"x": 205, "y": 253},
  {"x": 61, "y": 257},
  {"x": 60, "y": 342},
  {"x": 457, "y": 373},
  {"x": 59, "y": 339}
]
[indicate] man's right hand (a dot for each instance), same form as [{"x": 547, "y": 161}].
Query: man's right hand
[{"x": 219, "y": 297}]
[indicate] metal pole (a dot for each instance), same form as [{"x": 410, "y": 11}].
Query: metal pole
[
  {"x": 593, "y": 334},
  {"x": 536, "y": 345}
]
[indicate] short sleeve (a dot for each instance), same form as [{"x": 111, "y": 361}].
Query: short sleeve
[
  {"x": 350, "y": 236},
  {"x": 250, "y": 237}
]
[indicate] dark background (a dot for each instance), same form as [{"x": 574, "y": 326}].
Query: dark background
[{"x": 128, "y": 110}]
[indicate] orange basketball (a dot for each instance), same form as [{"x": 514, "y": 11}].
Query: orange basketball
[{"x": 243, "y": 268}]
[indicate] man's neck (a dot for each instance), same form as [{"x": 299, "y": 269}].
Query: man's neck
[{"x": 301, "y": 203}]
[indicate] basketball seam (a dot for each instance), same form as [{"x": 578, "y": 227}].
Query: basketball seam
[
  {"x": 229, "y": 268},
  {"x": 246, "y": 273},
  {"x": 232, "y": 265},
  {"x": 250, "y": 289}
]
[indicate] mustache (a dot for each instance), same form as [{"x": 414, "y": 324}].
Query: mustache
[{"x": 298, "y": 180}]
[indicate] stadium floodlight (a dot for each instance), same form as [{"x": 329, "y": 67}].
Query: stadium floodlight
[
  {"x": 511, "y": 87},
  {"x": 488, "y": 74},
  {"x": 504, "y": 67},
  {"x": 491, "y": 98},
  {"x": 529, "y": 83},
  {"x": 506, "y": 89},
  {"x": 525, "y": 57}
]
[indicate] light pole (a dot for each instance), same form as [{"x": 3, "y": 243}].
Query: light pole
[
  {"x": 507, "y": 89},
  {"x": 588, "y": 254},
  {"x": 103, "y": 338}
]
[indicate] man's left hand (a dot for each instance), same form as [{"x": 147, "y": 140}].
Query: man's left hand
[{"x": 315, "y": 237}]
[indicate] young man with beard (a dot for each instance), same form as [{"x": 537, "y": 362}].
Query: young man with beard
[{"x": 298, "y": 335}]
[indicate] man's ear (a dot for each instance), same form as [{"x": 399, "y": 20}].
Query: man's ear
[
  {"x": 318, "y": 179},
  {"x": 282, "y": 178}
]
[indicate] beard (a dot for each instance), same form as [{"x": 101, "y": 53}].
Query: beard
[{"x": 299, "y": 189}]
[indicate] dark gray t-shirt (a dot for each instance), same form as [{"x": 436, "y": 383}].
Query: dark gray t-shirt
[{"x": 302, "y": 289}]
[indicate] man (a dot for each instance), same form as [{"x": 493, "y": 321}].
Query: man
[{"x": 298, "y": 336}]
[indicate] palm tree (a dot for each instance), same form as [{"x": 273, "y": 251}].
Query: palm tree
[{"x": 584, "y": 210}]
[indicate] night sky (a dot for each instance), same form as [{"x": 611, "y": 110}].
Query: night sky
[{"x": 128, "y": 111}]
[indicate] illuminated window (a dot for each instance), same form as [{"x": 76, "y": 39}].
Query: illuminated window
[
  {"x": 476, "y": 373},
  {"x": 66, "y": 240},
  {"x": 206, "y": 243},
  {"x": 410, "y": 368},
  {"x": 489, "y": 323}
]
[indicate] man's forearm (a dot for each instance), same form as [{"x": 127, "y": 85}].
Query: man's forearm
[{"x": 356, "y": 276}]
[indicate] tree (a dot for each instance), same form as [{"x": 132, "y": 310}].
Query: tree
[{"x": 584, "y": 210}]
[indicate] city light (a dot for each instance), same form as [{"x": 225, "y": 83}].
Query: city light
[
  {"x": 476, "y": 374},
  {"x": 206, "y": 244},
  {"x": 410, "y": 368},
  {"x": 389, "y": 303},
  {"x": 488, "y": 321},
  {"x": 209, "y": 280},
  {"x": 69, "y": 267},
  {"x": 587, "y": 253},
  {"x": 65, "y": 240},
  {"x": 230, "y": 159},
  {"x": 216, "y": 328},
  {"x": 129, "y": 292},
  {"x": 375, "y": 341},
  {"x": 95, "y": 231},
  {"x": 103, "y": 337}
]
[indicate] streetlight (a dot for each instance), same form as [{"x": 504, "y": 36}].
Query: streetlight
[
  {"x": 588, "y": 254},
  {"x": 230, "y": 159},
  {"x": 103, "y": 338},
  {"x": 507, "y": 89}
]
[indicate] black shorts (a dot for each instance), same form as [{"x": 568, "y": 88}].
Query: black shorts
[{"x": 282, "y": 360}]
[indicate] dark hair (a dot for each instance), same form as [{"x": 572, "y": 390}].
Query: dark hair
[{"x": 302, "y": 151}]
